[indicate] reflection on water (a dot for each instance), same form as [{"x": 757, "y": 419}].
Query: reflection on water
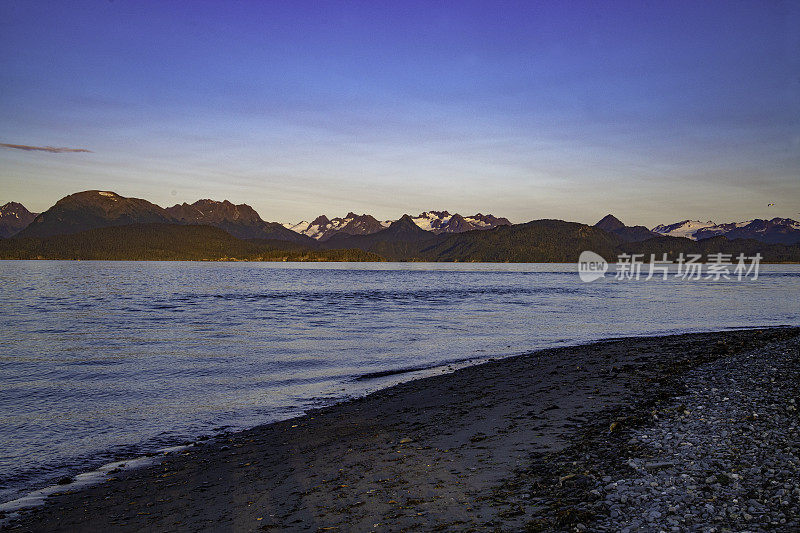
[{"x": 101, "y": 359}]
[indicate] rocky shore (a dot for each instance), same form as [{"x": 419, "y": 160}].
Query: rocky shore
[
  {"x": 715, "y": 449},
  {"x": 724, "y": 456},
  {"x": 693, "y": 432}
]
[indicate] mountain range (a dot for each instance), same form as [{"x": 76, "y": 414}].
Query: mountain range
[
  {"x": 776, "y": 230},
  {"x": 68, "y": 228},
  {"x": 96, "y": 209},
  {"x": 322, "y": 228}
]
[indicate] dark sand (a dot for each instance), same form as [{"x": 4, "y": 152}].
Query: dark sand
[{"x": 487, "y": 447}]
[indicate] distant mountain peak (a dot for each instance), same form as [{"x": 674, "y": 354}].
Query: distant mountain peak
[
  {"x": 612, "y": 224},
  {"x": 92, "y": 195},
  {"x": 361, "y": 225},
  {"x": 405, "y": 220},
  {"x": 439, "y": 214},
  {"x": 609, "y": 223},
  {"x": 320, "y": 221},
  {"x": 14, "y": 217},
  {"x": 13, "y": 208},
  {"x": 214, "y": 213},
  {"x": 404, "y": 225}
]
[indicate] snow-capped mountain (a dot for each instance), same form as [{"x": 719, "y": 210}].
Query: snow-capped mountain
[
  {"x": 14, "y": 217},
  {"x": 322, "y": 228},
  {"x": 444, "y": 222},
  {"x": 687, "y": 228},
  {"x": 298, "y": 227},
  {"x": 777, "y": 230},
  {"x": 719, "y": 229}
]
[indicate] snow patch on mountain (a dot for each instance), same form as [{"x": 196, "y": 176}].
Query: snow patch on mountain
[
  {"x": 14, "y": 217},
  {"x": 721, "y": 229},
  {"x": 296, "y": 227},
  {"x": 686, "y": 229},
  {"x": 322, "y": 226},
  {"x": 777, "y": 230},
  {"x": 444, "y": 222},
  {"x": 432, "y": 220}
]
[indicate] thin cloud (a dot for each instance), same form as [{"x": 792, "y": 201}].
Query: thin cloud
[{"x": 51, "y": 149}]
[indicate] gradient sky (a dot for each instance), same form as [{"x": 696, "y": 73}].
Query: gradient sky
[{"x": 654, "y": 111}]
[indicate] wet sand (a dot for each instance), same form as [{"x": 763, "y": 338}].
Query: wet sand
[{"x": 487, "y": 447}]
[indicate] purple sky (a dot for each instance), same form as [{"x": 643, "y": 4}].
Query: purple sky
[{"x": 654, "y": 111}]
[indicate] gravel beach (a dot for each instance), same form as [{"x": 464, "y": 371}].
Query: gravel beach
[
  {"x": 694, "y": 432},
  {"x": 726, "y": 458}
]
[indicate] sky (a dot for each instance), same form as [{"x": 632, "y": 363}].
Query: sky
[{"x": 653, "y": 111}]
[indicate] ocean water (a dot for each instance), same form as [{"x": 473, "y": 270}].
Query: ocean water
[{"x": 107, "y": 360}]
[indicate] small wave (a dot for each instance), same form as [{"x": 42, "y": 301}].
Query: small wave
[
  {"x": 85, "y": 479},
  {"x": 409, "y": 369}
]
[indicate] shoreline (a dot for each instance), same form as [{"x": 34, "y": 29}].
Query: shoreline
[
  {"x": 93, "y": 471},
  {"x": 442, "y": 446},
  {"x": 283, "y": 260}
]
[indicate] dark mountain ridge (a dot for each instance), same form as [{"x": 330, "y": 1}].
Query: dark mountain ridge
[
  {"x": 14, "y": 217},
  {"x": 93, "y": 209},
  {"x": 401, "y": 241},
  {"x": 98, "y": 209},
  {"x": 612, "y": 224},
  {"x": 536, "y": 241},
  {"x": 361, "y": 225},
  {"x": 240, "y": 220}
]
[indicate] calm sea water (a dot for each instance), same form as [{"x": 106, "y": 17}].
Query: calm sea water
[{"x": 102, "y": 360}]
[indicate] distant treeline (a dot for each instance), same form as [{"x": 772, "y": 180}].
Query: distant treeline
[
  {"x": 544, "y": 241},
  {"x": 167, "y": 242},
  {"x": 673, "y": 246},
  {"x": 554, "y": 241}
]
